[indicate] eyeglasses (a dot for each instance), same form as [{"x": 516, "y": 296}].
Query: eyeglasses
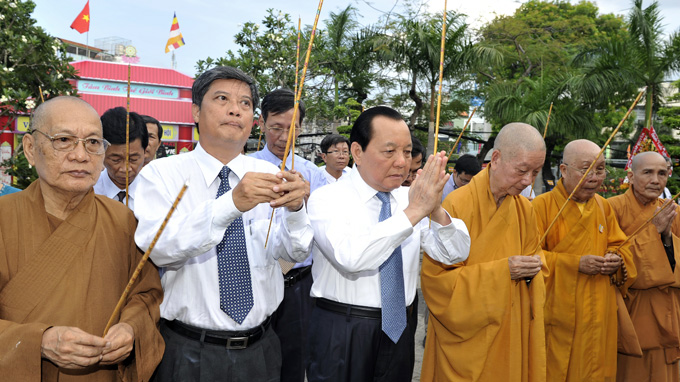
[
  {"x": 336, "y": 152},
  {"x": 67, "y": 142},
  {"x": 279, "y": 131},
  {"x": 600, "y": 172}
]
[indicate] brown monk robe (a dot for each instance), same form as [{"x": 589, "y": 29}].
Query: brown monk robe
[
  {"x": 654, "y": 298},
  {"x": 580, "y": 307},
  {"x": 66, "y": 256},
  {"x": 486, "y": 321}
]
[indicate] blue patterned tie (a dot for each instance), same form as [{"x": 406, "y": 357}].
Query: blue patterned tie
[
  {"x": 236, "y": 293},
  {"x": 392, "y": 284}
]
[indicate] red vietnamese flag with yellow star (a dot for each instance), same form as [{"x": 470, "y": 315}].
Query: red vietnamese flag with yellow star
[{"x": 82, "y": 22}]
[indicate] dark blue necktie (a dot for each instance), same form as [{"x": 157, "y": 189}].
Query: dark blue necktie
[
  {"x": 236, "y": 293},
  {"x": 392, "y": 294}
]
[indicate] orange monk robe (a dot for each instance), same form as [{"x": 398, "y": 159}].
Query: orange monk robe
[
  {"x": 72, "y": 273},
  {"x": 654, "y": 298},
  {"x": 484, "y": 326},
  {"x": 580, "y": 309}
]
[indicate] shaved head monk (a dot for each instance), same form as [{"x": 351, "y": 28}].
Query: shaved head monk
[
  {"x": 580, "y": 249},
  {"x": 654, "y": 298},
  {"x": 486, "y": 322},
  {"x": 66, "y": 256}
]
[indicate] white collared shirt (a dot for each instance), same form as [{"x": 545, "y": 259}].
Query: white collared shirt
[
  {"x": 330, "y": 178},
  {"x": 186, "y": 249},
  {"x": 106, "y": 187},
  {"x": 352, "y": 244}
]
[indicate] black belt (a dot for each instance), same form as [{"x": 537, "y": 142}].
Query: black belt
[
  {"x": 231, "y": 340},
  {"x": 354, "y": 310},
  {"x": 295, "y": 275}
]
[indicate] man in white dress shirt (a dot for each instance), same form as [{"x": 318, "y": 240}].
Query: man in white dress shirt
[
  {"x": 111, "y": 181},
  {"x": 221, "y": 283},
  {"x": 335, "y": 153},
  {"x": 370, "y": 232},
  {"x": 291, "y": 320}
]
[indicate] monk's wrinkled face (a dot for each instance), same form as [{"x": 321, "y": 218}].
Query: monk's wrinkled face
[
  {"x": 69, "y": 172},
  {"x": 387, "y": 158},
  {"x": 649, "y": 178},
  {"x": 572, "y": 173},
  {"x": 115, "y": 162},
  {"x": 513, "y": 173}
]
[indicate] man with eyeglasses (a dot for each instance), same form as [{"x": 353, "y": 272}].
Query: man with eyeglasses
[
  {"x": 335, "y": 153},
  {"x": 66, "y": 255},
  {"x": 290, "y": 323},
  {"x": 586, "y": 269},
  {"x": 113, "y": 180}
]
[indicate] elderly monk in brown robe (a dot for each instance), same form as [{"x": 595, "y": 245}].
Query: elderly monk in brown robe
[
  {"x": 654, "y": 299},
  {"x": 66, "y": 256},
  {"x": 580, "y": 307},
  {"x": 486, "y": 321}
]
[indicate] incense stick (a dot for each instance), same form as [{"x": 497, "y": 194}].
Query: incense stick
[
  {"x": 127, "y": 142},
  {"x": 142, "y": 262},
  {"x": 441, "y": 74},
  {"x": 585, "y": 175},
  {"x": 297, "y": 102},
  {"x": 461, "y": 132}
]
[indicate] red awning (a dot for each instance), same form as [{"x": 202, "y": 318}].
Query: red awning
[
  {"x": 165, "y": 110},
  {"x": 113, "y": 71}
]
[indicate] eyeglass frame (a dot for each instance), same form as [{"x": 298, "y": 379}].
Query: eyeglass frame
[
  {"x": 346, "y": 153},
  {"x": 52, "y": 138},
  {"x": 592, "y": 172}
]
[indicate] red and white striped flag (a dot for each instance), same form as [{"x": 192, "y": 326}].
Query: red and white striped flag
[{"x": 176, "y": 40}]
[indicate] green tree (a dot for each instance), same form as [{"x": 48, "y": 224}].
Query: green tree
[
  {"x": 641, "y": 58},
  {"x": 29, "y": 59},
  {"x": 260, "y": 52},
  {"x": 671, "y": 115}
]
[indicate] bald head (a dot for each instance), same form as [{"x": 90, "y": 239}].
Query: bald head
[
  {"x": 579, "y": 149},
  {"x": 517, "y": 136},
  {"x": 646, "y": 159},
  {"x": 41, "y": 115}
]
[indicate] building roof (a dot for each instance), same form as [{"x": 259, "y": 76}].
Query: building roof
[
  {"x": 69, "y": 42},
  {"x": 165, "y": 110},
  {"x": 113, "y": 71}
]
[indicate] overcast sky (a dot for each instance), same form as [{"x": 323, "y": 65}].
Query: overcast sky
[{"x": 208, "y": 26}]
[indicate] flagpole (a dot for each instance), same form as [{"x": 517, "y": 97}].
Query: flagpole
[{"x": 87, "y": 43}]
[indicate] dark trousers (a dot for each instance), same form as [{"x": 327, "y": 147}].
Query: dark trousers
[
  {"x": 189, "y": 360},
  {"x": 345, "y": 348},
  {"x": 291, "y": 324}
]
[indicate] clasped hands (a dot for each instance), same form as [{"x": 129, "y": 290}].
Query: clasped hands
[
  {"x": 604, "y": 265},
  {"x": 284, "y": 189},
  {"x": 72, "y": 348},
  {"x": 425, "y": 193}
]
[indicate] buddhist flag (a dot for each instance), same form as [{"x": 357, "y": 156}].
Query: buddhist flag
[
  {"x": 82, "y": 22},
  {"x": 176, "y": 40}
]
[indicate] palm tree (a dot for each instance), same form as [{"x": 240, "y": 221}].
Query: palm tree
[
  {"x": 416, "y": 48},
  {"x": 619, "y": 67}
]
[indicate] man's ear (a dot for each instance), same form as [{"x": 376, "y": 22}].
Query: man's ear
[
  {"x": 357, "y": 153},
  {"x": 28, "y": 142},
  {"x": 195, "y": 112}
]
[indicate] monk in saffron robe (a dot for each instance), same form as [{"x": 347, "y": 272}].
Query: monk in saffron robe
[
  {"x": 66, "y": 256},
  {"x": 486, "y": 321},
  {"x": 580, "y": 307},
  {"x": 654, "y": 299}
]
